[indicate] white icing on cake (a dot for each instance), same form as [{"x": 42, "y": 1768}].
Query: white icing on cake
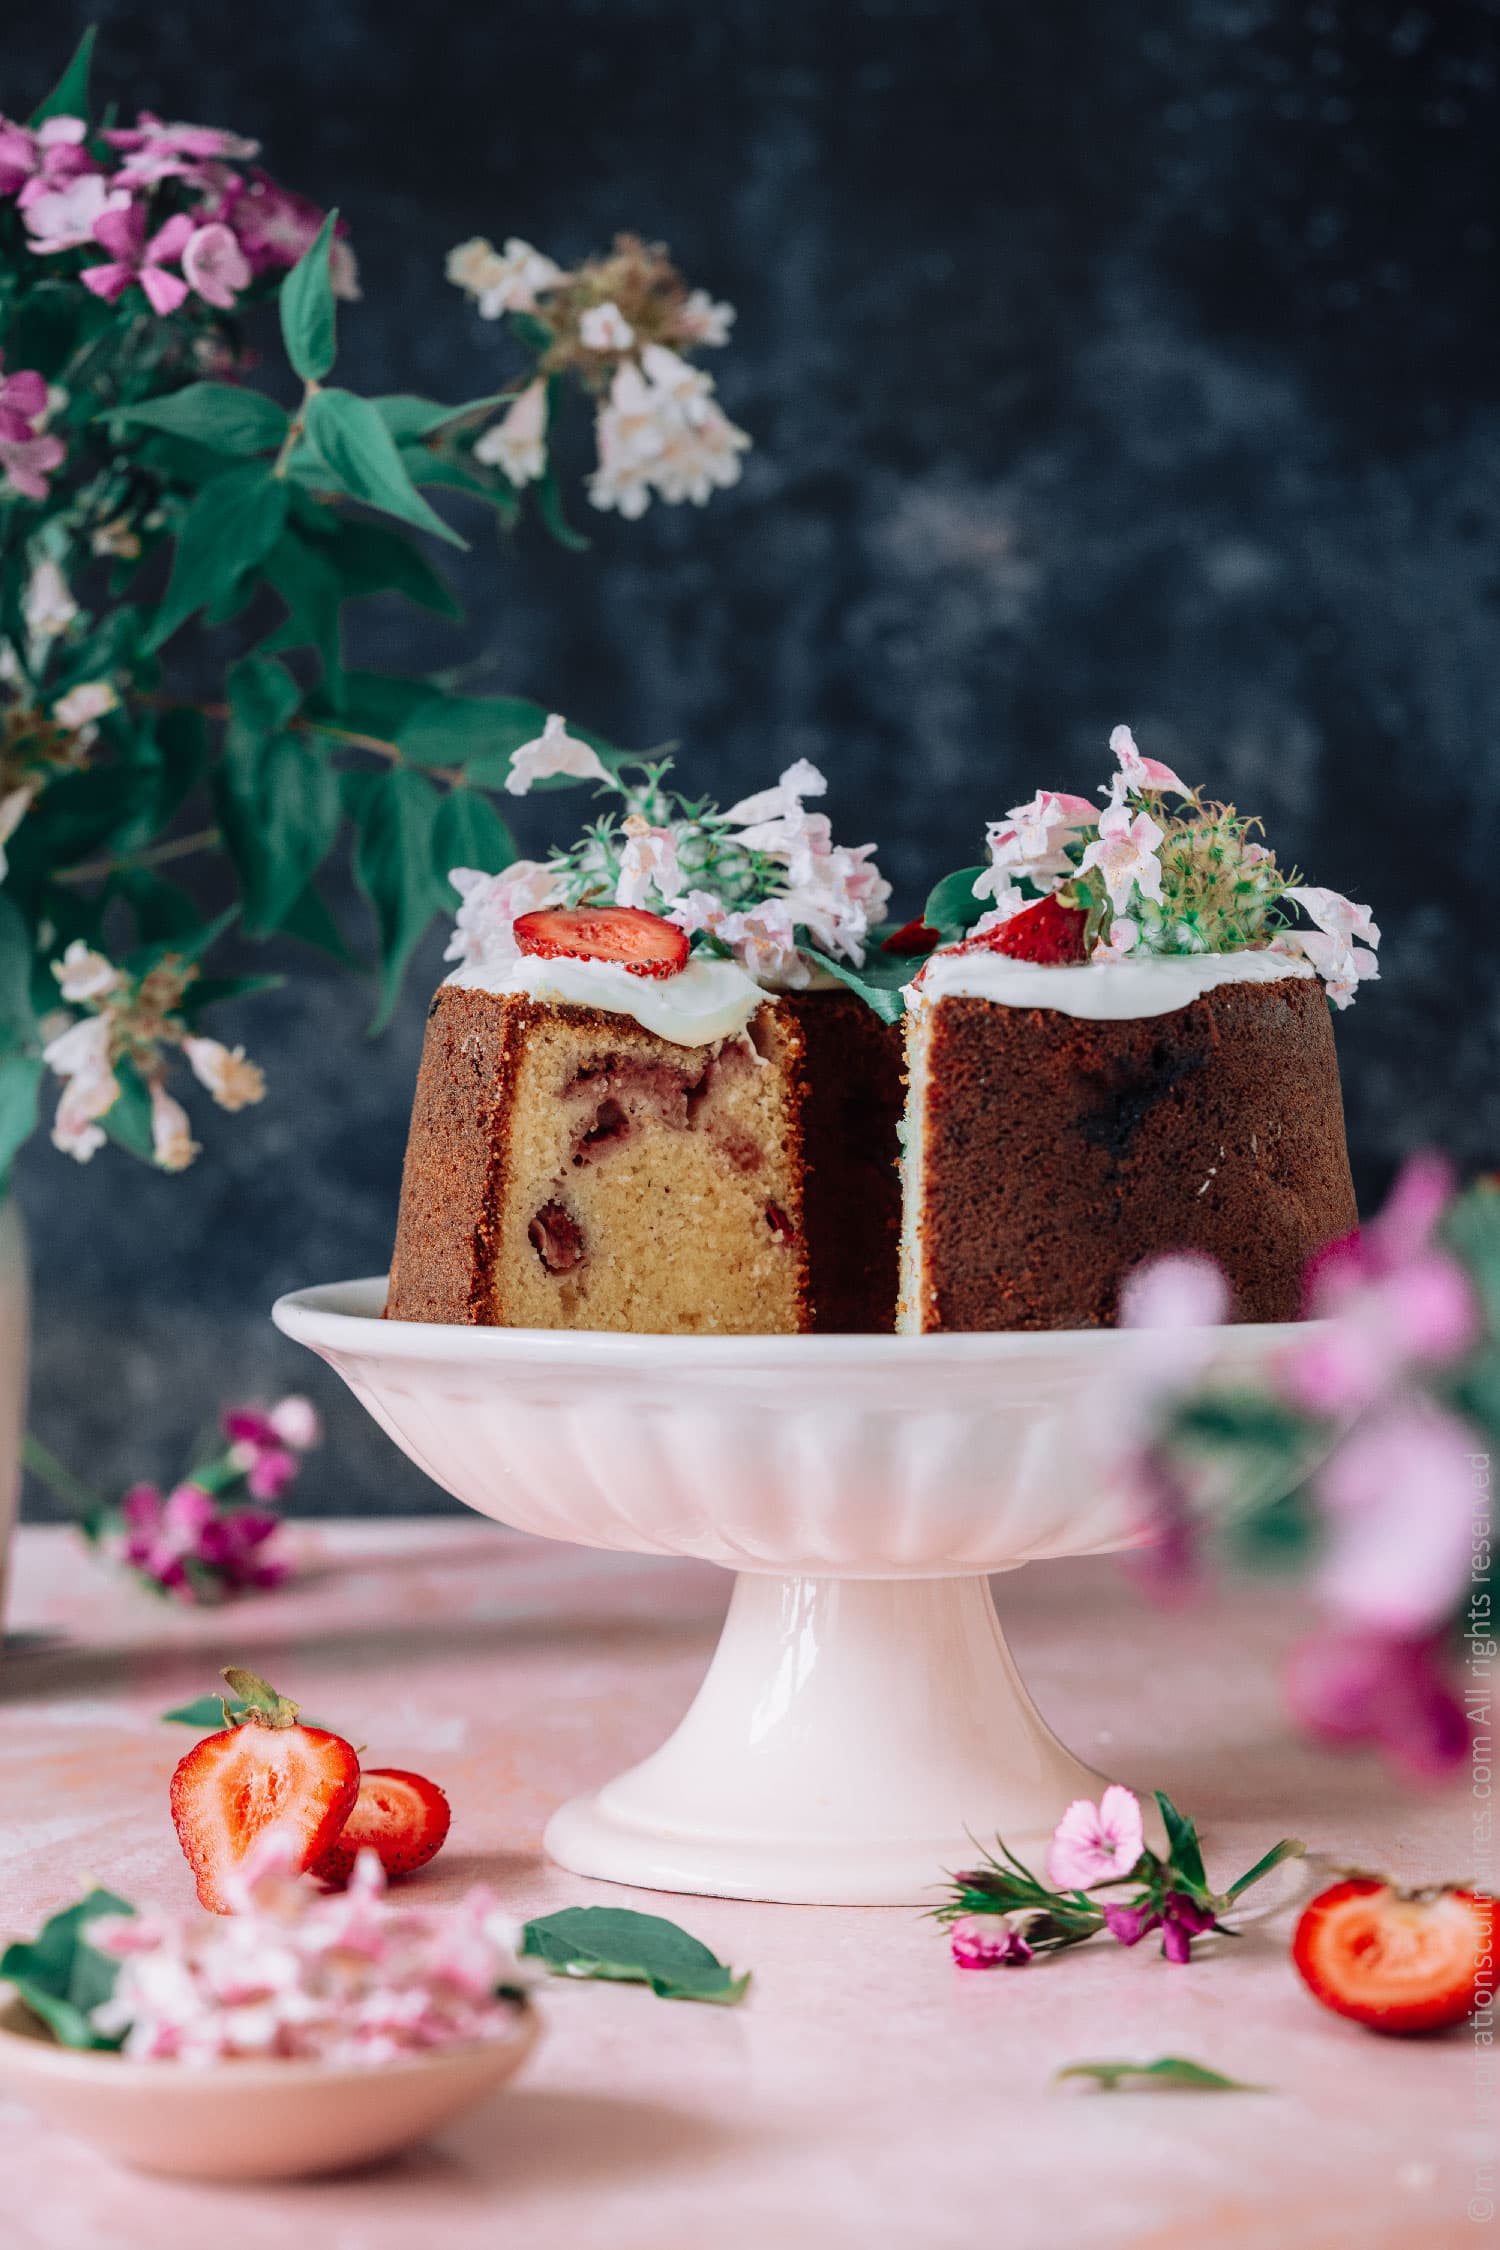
[
  {"x": 708, "y": 1001},
  {"x": 1101, "y": 991}
]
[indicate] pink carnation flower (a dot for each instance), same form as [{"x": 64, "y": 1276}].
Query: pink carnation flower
[
  {"x": 34, "y": 161},
  {"x": 215, "y": 266},
  {"x": 1352, "y": 1688},
  {"x": 27, "y": 457},
  {"x": 137, "y": 259},
  {"x": 187, "y": 1546},
  {"x": 1096, "y": 1843},
  {"x": 987, "y": 1941}
]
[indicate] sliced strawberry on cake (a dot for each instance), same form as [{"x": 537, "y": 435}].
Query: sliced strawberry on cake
[
  {"x": 1047, "y": 932},
  {"x": 645, "y": 944},
  {"x": 263, "y": 1774}
]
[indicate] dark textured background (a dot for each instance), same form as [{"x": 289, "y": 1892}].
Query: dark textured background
[{"x": 1104, "y": 361}]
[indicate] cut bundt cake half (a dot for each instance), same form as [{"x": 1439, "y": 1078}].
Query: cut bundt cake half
[
  {"x": 633, "y": 1122},
  {"x": 1130, "y": 1053}
]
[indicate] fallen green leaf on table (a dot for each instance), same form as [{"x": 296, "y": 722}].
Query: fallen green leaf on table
[
  {"x": 60, "y": 1976},
  {"x": 1167, "y": 2071},
  {"x": 205, "y": 1712},
  {"x": 622, "y": 1947}
]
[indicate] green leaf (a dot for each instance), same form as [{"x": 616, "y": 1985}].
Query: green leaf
[
  {"x": 309, "y": 584},
  {"x": 469, "y": 832},
  {"x": 60, "y": 1976},
  {"x": 1169, "y": 2072},
  {"x": 951, "y": 905},
  {"x": 1290, "y": 1847},
  {"x": 878, "y": 983},
  {"x": 549, "y": 507},
  {"x": 207, "y": 1714},
  {"x": 218, "y": 415},
  {"x": 371, "y": 558},
  {"x": 277, "y": 794},
  {"x": 393, "y": 860},
  {"x": 309, "y": 323},
  {"x": 479, "y": 732},
  {"x": 360, "y": 453},
  {"x": 163, "y": 911},
  {"x": 614, "y": 1943},
  {"x": 233, "y": 523},
  {"x": 17, "y": 954},
  {"x": 70, "y": 96},
  {"x": 21, "y": 1078},
  {"x": 410, "y": 419},
  {"x": 128, "y": 1119},
  {"x": 1183, "y": 1848},
  {"x": 311, "y": 921}
]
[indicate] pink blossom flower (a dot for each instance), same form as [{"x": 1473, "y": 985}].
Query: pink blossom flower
[
  {"x": 65, "y": 217},
  {"x": 1096, "y": 1843},
  {"x": 1351, "y": 1688},
  {"x": 483, "y": 939},
  {"x": 1398, "y": 1503},
  {"x": 263, "y": 1445},
  {"x": 1182, "y": 1289},
  {"x": 1125, "y": 852},
  {"x": 517, "y": 443},
  {"x": 1124, "y": 934},
  {"x": 302, "y": 1975},
  {"x": 187, "y": 1546},
  {"x": 26, "y": 457},
  {"x": 1179, "y": 1918},
  {"x": 135, "y": 258},
  {"x": 155, "y": 150},
  {"x": 32, "y": 162},
  {"x": 275, "y": 227},
  {"x": 648, "y": 862},
  {"x": 987, "y": 1941},
  {"x": 1141, "y": 773},
  {"x": 215, "y": 265},
  {"x": 604, "y": 328}
]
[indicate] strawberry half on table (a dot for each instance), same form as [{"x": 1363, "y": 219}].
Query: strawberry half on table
[
  {"x": 262, "y": 1774},
  {"x": 1397, "y": 1960},
  {"x": 645, "y": 944},
  {"x": 402, "y": 1817}
]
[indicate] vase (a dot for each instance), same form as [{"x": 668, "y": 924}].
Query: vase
[{"x": 15, "y": 1329}]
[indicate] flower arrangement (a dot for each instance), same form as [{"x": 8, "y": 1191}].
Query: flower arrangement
[
  {"x": 619, "y": 325},
  {"x": 209, "y": 1537},
  {"x": 1001, "y": 1916},
  {"x": 763, "y": 883},
  {"x": 154, "y": 498},
  {"x": 1363, "y": 1461},
  {"x": 1145, "y": 877}
]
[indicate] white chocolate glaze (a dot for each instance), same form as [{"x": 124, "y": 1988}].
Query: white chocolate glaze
[
  {"x": 1101, "y": 991},
  {"x": 708, "y": 1001}
]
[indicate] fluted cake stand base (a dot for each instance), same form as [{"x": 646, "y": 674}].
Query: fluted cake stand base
[{"x": 862, "y": 1727}]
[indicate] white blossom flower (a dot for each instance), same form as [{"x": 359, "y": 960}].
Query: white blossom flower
[
  {"x": 1143, "y": 773},
  {"x": 296, "y": 1422},
  {"x": 233, "y": 1082},
  {"x": 502, "y": 282},
  {"x": 83, "y": 974},
  {"x": 702, "y": 321},
  {"x": 799, "y": 780},
  {"x": 81, "y": 1056},
  {"x": 604, "y": 328},
  {"x": 49, "y": 607},
  {"x": 1125, "y": 851},
  {"x": 483, "y": 935},
  {"x": 661, "y": 430},
  {"x": 171, "y": 1132},
  {"x": 649, "y": 859},
  {"x": 553, "y": 751},
  {"x": 1032, "y": 841},
  {"x": 763, "y": 939},
  {"x": 1342, "y": 967},
  {"x": 517, "y": 443},
  {"x": 1338, "y": 915},
  {"x": 697, "y": 910},
  {"x": 85, "y": 704}
]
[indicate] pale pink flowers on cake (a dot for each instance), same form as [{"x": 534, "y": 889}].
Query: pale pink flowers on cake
[
  {"x": 1333, "y": 946},
  {"x": 648, "y": 861},
  {"x": 483, "y": 937},
  {"x": 1141, "y": 773},
  {"x": 1125, "y": 851},
  {"x": 553, "y": 751},
  {"x": 300, "y": 1975},
  {"x": 1096, "y": 1843}
]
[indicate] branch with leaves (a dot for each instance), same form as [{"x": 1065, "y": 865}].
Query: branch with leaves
[{"x": 162, "y": 521}]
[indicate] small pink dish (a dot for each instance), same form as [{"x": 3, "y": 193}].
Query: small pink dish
[{"x": 251, "y": 2120}]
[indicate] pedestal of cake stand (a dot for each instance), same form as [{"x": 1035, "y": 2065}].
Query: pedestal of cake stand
[
  {"x": 862, "y": 1725},
  {"x": 853, "y": 1739}
]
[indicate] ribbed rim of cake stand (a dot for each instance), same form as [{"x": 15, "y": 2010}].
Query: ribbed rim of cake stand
[{"x": 346, "y": 1316}]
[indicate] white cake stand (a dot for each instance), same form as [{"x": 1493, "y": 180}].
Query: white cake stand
[{"x": 862, "y": 1720}]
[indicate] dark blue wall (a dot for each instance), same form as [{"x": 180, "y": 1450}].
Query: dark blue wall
[{"x": 1104, "y": 361}]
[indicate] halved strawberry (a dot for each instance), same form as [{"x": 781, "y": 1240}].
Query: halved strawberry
[
  {"x": 1396, "y": 1960},
  {"x": 1046, "y": 932},
  {"x": 913, "y": 938},
  {"x": 262, "y": 1773},
  {"x": 642, "y": 943},
  {"x": 401, "y": 1817}
]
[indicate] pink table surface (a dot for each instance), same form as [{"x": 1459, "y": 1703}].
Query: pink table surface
[{"x": 867, "y": 2093}]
